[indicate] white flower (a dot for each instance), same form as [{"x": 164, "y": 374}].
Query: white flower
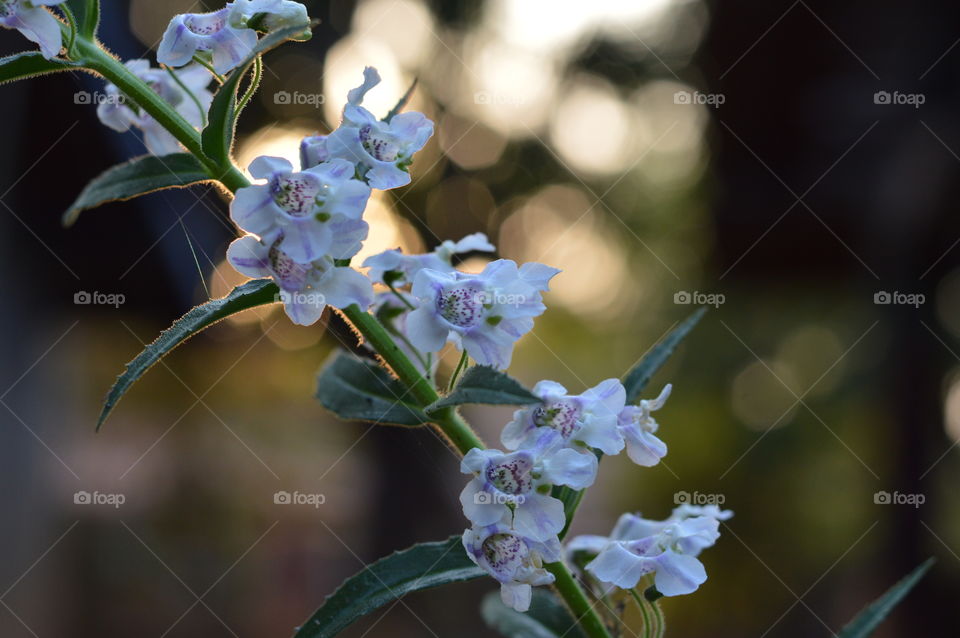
[
  {"x": 638, "y": 546},
  {"x": 516, "y": 561},
  {"x": 518, "y": 484},
  {"x": 223, "y": 35},
  {"x": 589, "y": 419},
  {"x": 305, "y": 289},
  {"x": 382, "y": 151},
  {"x": 638, "y": 428},
  {"x": 115, "y": 112},
  {"x": 483, "y": 314},
  {"x": 34, "y": 22},
  {"x": 304, "y": 206},
  {"x": 403, "y": 268}
]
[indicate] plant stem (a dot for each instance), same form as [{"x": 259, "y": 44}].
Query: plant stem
[
  {"x": 95, "y": 58},
  {"x": 583, "y": 613},
  {"x": 457, "y": 370},
  {"x": 460, "y": 434}
]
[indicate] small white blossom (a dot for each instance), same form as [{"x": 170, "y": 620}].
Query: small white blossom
[
  {"x": 34, "y": 22},
  {"x": 484, "y": 314},
  {"x": 306, "y": 289},
  {"x": 382, "y": 151},
  {"x": 404, "y": 268},
  {"x": 305, "y": 206},
  {"x": 668, "y": 548},
  {"x": 639, "y": 428},
  {"x": 518, "y": 484},
  {"x": 120, "y": 115},
  {"x": 516, "y": 561},
  {"x": 588, "y": 419}
]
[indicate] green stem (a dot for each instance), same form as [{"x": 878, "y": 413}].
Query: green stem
[
  {"x": 460, "y": 434},
  {"x": 645, "y": 612},
  {"x": 254, "y": 84},
  {"x": 95, "y": 58},
  {"x": 585, "y": 615},
  {"x": 219, "y": 78},
  {"x": 190, "y": 94},
  {"x": 457, "y": 370}
]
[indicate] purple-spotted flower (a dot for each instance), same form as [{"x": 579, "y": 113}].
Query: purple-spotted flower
[
  {"x": 382, "y": 151},
  {"x": 639, "y": 428},
  {"x": 304, "y": 206},
  {"x": 225, "y": 35},
  {"x": 484, "y": 314},
  {"x": 191, "y": 100},
  {"x": 401, "y": 269},
  {"x": 517, "y": 485},
  {"x": 588, "y": 419},
  {"x": 514, "y": 560},
  {"x": 306, "y": 289},
  {"x": 668, "y": 548},
  {"x": 34, "y": 22}
]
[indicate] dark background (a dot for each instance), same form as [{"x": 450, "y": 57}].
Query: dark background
[{"x": 559, "y": 133}]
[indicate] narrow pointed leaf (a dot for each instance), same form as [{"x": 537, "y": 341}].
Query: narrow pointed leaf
[
  {"x": 217, "y": 137},
  {"x": 636, "y": 380},
  {"x": 30, "y": 64},
  {"x": 483, "y": 384},
  {"x": 420, "y": 567},
  {"x": 870, "y": 618},
  {"x": 359, "y": 390},
  {"x": 547, "y": 617},
  {"x": 139, "y": 176},
  {"x": 254, "y": 293}
]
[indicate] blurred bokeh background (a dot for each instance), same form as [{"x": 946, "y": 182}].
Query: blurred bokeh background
[{"x": 790, "y": 163}]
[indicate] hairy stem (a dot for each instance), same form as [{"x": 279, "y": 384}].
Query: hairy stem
[
  {"x": 583, "y": 612},
  {"x": 95, "y": 58}
]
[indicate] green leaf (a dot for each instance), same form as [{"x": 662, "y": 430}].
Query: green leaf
[
  {"x": 87, "y": 13},
  {"x": 217, "y": 137},
  {"x": 358, "y": 390},
  {"x": 483, "y": 384},
  {"x": 639, "y": 376},
  {"x": 137, "y": 177},
  {"x": 870, "y": 618},
  {"x": 30, "y": 64},
  {"x": 547, "y": 617},
  {"x": 420, "y": 567},
  {"x": 251, "y": 294}
]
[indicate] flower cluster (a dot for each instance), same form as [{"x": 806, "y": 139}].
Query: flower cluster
[
  {"x": 305, "y": 225},
  {"x": 516, "y": 521}
]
